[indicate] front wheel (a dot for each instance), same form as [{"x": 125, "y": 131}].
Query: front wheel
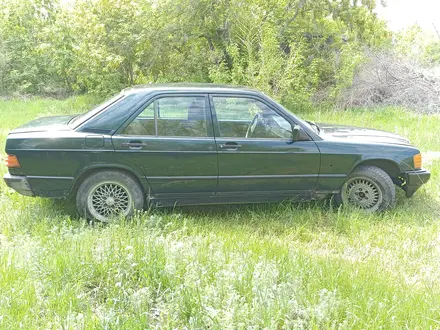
[
  {"x": 368, "y": 188},
  {"x": 107, "y": 194}
]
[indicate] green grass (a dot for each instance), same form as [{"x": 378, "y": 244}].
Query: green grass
[{"x": 278, "y": 266}]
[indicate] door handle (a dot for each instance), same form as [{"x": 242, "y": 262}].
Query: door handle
[
  {"x": 230, "y": 146},
  {"x": 134, "y": 145}
]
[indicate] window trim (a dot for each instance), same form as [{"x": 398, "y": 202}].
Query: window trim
[
  {"x": 208, "y": 113},
  {"x": 216, "y": 123}
]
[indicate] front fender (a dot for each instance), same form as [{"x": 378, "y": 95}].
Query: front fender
[{"x": 339, "y": 159}]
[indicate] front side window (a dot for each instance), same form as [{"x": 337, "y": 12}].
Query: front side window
[
  {"x": 172, "y": 116},
  {"x": 249, "y": 118}
]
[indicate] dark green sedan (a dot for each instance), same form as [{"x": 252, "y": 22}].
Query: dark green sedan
[{"x": 163, "y": 145}]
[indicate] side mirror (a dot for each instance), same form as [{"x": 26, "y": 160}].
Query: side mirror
[{"x": 298, "y": 134}]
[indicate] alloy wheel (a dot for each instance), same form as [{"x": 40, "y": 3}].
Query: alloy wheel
[
  {"x": 362, "y": 193},
  {"x": 109, "y": 199}
]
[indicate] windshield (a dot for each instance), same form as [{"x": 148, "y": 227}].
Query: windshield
[
  {"x": 78, "y": 120},
  {"x": 306, "y": 123}
]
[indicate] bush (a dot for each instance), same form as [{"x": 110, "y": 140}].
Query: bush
[{"x": 388, "y": 79}]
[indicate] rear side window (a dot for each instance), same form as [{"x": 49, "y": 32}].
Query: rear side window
[
  {"x": 172, "y": 116},
  {"x": 143, "y": 124}
]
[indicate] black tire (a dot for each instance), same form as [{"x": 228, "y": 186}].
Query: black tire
[
  {"x": 369, "y": 188},
  {"x": 105, "y": 194}
]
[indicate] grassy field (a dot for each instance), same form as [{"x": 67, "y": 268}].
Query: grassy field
[{"x": 292, "y": 266}]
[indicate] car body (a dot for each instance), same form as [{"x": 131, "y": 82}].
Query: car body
[{"x": 202, "y": 144}]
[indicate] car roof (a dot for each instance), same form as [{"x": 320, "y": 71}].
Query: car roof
[{"x": 188, "y": 87}]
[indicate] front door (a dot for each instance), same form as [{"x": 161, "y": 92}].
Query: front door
[
  {"x": 172, "y": 142},
  {"x": 255, "y": 150}
]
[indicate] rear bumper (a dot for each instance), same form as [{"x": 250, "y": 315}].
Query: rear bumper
[
  {"x": 19, "y": 183},
  {"x": 414, "y": 180}
]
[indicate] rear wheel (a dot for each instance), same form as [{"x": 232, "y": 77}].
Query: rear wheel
[
  {"x": 368, "y": 188},
  {"x": 107, "y": 194}
]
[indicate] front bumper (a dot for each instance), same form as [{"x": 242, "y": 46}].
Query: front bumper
[
  {"x": 19, "y": 183},
  {"x": 414, "y": 180}
]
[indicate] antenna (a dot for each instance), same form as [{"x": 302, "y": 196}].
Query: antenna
[{"x": 435, "y": 28}]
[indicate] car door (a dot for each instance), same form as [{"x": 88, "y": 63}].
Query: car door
[
  {"x": 171, "y": 141},
  {"x": 255, "y": 150}
]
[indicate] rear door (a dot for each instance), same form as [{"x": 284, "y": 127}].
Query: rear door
[
  {"x": 255, "y": 150},
  {"x": 171, "y": 140}
]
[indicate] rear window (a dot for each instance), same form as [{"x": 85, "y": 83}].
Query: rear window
[
  {"x": 111, "y": 114},
  {"x": 78, "y": 120},
  {"x": 115, "y": 115}
]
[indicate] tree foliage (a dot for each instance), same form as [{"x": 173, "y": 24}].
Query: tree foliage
[{"x": 290, "y": 49}]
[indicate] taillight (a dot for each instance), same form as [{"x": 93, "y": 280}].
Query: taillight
[
  {"x": 12, "y": 162},
  {"x": 417, "y": 161}
]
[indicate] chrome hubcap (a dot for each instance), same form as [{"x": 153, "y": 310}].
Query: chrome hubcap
[
  {"x": 109, "y": 199},
  {"x": 363, "y": 193}
]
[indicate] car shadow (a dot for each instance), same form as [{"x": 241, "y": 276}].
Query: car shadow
[
  {"x": 420, "y": 210},
  {"x": 65, "y": 207}
]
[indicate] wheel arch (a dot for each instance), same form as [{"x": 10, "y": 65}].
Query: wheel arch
[
  {"x": 388, "y": 166},
  {"x": 143, "y": 183}
]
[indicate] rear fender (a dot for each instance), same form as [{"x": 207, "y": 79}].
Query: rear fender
[{"x": 133, "y": 170}]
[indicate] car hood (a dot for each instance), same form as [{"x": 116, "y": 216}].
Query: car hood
[
  {"x": 359, "y": 134},
  {"x": 54, "y": 123}
]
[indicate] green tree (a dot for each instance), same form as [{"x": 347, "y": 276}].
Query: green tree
[
  {"x": 22, "y": 32},
  {"x": 291, "y": 49}
]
